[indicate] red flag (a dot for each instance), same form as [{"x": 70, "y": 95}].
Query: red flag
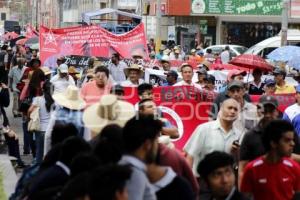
[{"x": 30, "y": 31}]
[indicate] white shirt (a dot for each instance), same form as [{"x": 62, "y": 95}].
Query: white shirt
[
  {"x": 209, "y": 137},
  {"x": 117, "y": 72},
  {"x": 128, "y": 83},
  {"x": 247, "y": 119},
  {"x": 61, "y": 84},
  {"x": 183, "y": 83},
  {"x": 225, "y": 57},
  {"x": 43, "y": 113}
]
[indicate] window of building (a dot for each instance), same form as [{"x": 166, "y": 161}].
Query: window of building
[{"x": 3, "y": 16}]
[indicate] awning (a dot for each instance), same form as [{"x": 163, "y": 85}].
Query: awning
[{"x": 86, "y": 16}]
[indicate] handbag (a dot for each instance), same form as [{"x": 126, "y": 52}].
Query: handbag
[{"x": 34, "y": 120}]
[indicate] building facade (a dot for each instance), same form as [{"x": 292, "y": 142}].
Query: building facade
[{"x": 243, "y": 22}]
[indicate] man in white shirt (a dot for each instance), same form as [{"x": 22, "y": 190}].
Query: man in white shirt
[
  {"x": 218, "y": 135},
  {"x": 134, "y": 74},
  {"x": 187, "y": 76},
  {"x": 62, "y": 80},
  {"x": 116, "y": 69},
  {"x": 15, "y": 74},
  {"x": 225, "y": 55}
]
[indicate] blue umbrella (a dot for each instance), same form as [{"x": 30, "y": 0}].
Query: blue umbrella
[
  {"x": 294, "y": 63},
  {"x": 284, "y": 54}
]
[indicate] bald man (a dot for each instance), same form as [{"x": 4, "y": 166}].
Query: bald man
[{"x": 218, "y": 135}]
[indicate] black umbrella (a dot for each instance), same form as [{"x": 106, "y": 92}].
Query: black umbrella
[{"x": 31, "y": 41}]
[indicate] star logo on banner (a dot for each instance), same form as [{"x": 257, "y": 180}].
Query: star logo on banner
[{"x": 50, "y": 38}]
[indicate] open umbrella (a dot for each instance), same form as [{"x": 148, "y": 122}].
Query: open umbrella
[
  {"x": 21, "y": 41},
  {"x": 220, "y": 66},
  {"x": 10, "y": 35},
  {"x": 250, "y": 61},
  {"x": 31, "y": 41},
  {"x": 284, "y": 54}
]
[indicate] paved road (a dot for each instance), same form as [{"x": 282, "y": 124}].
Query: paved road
[{"x": 16, "y": 125}]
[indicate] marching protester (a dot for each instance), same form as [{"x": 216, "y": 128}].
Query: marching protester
[
  {"x": 270, "y": 87},
  {"x": 68, "y": 109},
  {"x": 292, "y": 113},
  {"x": 274, "y": 175},
  {"x": 62, "y": 80},
  {"x": 171, "y": 78},
  {"x": 116, "y": 68},
  {"x": 44, "y": 105},
  {"x": 282, "y": 87},
  {"x": 187, "y": 76},
  {"x": 218, "y": 173},
  {"x": 15, "y": 74},
  {"x": 218, "y": 135},
  {"x": 256, "y": 87},
  {"x": 92, "y": 91},
  {"x": 134, "y": 74},
  {"x": 140, "y": 143}
]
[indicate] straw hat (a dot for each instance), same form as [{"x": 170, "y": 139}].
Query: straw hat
[
  {"x": 46, "y": 70},
  {"x": 70, "y": 98},
  {"x": 72, "y": 70},
  {"x": 109, "y": 110},
  {"x": 136, "y": 67},
  {"x": 137, "y": 55}
]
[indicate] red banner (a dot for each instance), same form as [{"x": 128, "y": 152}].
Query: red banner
[
  {"x": 186, "y": 107},
  {"x": 90, "y": 41}
]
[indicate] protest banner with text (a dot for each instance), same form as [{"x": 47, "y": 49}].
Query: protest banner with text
[{"x": 90, "y": 41}]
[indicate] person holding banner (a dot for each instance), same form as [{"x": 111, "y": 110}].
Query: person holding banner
[
  {"x": 116, "y": 69},
  {"x": 62, "y": 80},
  {"x": 187, "y": 75}
]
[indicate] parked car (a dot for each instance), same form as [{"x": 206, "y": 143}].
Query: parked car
[
  {"x": 266, "y": 46},
  {"x": 235, "y": 50}
]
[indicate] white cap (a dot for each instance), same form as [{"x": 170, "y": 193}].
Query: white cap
[{"x": 63, "y": 68}]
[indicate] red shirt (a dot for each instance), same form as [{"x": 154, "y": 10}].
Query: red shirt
[
  {"x": 91, "y": 93},
  {"x": 271, "y": 181}
]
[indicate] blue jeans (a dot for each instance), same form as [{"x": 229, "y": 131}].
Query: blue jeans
[
  {"x": 27, "y": 139},
  {"x": 39, "y": 143}
]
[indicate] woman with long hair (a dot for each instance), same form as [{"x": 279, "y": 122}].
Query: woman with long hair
[{"x": 44, "y": 103}]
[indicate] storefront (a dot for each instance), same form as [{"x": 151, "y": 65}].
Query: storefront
[{"x": 241, "y": 22}]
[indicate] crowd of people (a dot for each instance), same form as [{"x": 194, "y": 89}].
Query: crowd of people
[{"x": 88, "y": 142}]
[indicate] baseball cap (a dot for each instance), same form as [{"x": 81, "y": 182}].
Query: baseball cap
[
  {"x": 172, "y": 73},
  {"x": 279, "y": 71},
  {"x": 210, "y": 78},
  {"x": 268, "y": 100},
  {"x": 270, "y": 82},
  {"x": 63, "y": 68},
  {"x": 235, "y": 84}
]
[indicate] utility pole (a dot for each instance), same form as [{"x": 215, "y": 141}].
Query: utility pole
[
  {"x": 158, "y": 20},
  {"x": 284, "y": 22}
]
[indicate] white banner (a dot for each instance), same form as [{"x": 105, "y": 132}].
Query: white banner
[{"x": 156, "y": 77}]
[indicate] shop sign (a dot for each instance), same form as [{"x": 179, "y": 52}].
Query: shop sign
[
  {"x": 295, "y": 9},
  {"x": 203, "y": 27},
  {"x": 127, "y": 3},
  {"x": 237, "y": 7}
]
